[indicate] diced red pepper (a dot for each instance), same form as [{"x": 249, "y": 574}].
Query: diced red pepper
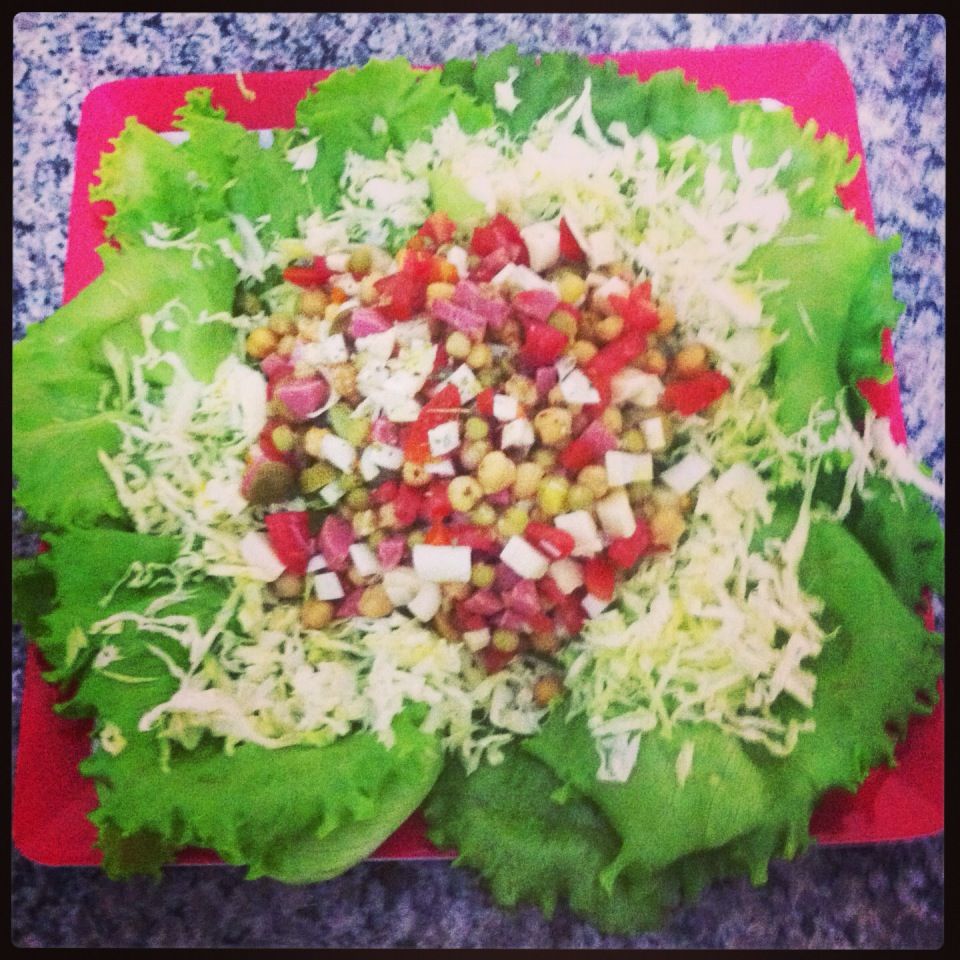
[
  {"x": 438, "y": 227},
  {"x": 442, "y": 407},
  {"x": 599, "y": 577},
  {"x": 550, "y": 540},
  {"x": 691, "y": 396},
  {"x": 552, "y": 594},
  {"x": 569, "y": 248},
  {"x": 494, "y": 262},
  {"x": 626, "y": 551},
  {"x": 401, "y": 294},
  {"x": 543, "y": 344},
  {"x": 495, "y": 660},
  {"x": 485, "y": 401},
  {"x": 406, "y": 504},
  {"x": 289, "y": 536},
  {"x": 436, "y": 502},
  {"x": 539, "y": 622},
  {"x": 315, "y": 275},
  {"x": 637, "y": 309}
]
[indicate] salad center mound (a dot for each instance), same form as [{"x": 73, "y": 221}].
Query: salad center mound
[{"x": 491, "y": 436}]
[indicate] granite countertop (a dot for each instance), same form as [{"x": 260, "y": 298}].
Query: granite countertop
[{"x": 864, "y": 896}]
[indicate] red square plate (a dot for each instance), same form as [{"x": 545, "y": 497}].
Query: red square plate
[{"x": 52, "y": 800}]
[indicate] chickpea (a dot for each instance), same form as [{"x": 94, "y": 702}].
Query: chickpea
[
  {"x": 685, "y": 503},
  {"x": 564, "y": 322},
  {"x": 483, "y": 515},
  {"x": 571, "y": 287},
  {"x": 286, "y": 345},
  {"x": 387, "y": 517},
  {"x": 668, "y": 319},
  {"x": 594, "y": 478},
  {"x": 476, "y": 428},
  {"x": 464, "y": 493},
  {"x": 690, "y": 360},
  {"x": 546, "y": 689},
  {"x": 364, "y": 523},
  {"x": 444, "y": 626},
  {"x": 316, "y": 614},
  {"x": 358, "y": 498},
  {"x": 472, "y": 453},
  {"x": 482, "y": 575},
  {"x": 545, "y": 642},
  {"x": 374, "y": 602},
  {"x": 458, "y": 345},
  {"x": 455, "y": 591},
  {"x": 261, "y": 342},
  {"x": 510, "y": 334},
  {"x": 612, "y": 419},
  {"x": 667, "y": 526},
  {"x": 653, "y": 361},
  {"x": 343, "y": 379},
  {"x": 513, "y": 522},
  {"x": 506, "y": 641},
  {"x": 439, "y": 291},
  {"x": 496, "y": 472},
  {"x": 583, "y": 351},
  {"x": 522, "y": 388},
  {"x": 555, "y": 396},
  {"x": 609, "y": 328},
  {"x": 479, "y": 356},
  {"x": 288, "y": 586},
  {"x": 553, "y": 425},
  {"x": 361, "y": 260},
  {"x": 313, "y": 303},
  {"x": 580, "y": 497},
  {"x": 415, "y": 474},
  {"x": 312, "y": 441},
  {"x": 632, "y": 441},
  {"x": 282, "y": 324},
  {"x": 545, "y": 458},
  {"x": 528, "y": 480},
  {"x": 552, "y": 495}
]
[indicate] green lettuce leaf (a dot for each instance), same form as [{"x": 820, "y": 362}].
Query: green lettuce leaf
[
  {"x": 67, "y": 372},
  {"x": 832, "y": 310}
]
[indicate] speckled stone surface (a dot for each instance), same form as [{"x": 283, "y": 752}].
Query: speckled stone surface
[{"x": 868, "y": 897}]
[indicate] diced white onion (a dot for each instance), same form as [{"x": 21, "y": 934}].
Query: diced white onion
[
  {"x": 524, "y": 559},
  {"x": 616, "y": 515},
  {"x": 444, "y": 438},
  {"x": 653, "y": 434},
  {"x": 594, "y": 606},
  {"x": 426, "y": 603},
  {"x": 580, "y": 525},
  {"x": 475, "y": 640},
  {"x": 543, "y": 244},
  {"x": 442, "y": 564},
  {"x": 364, "y": 560},
  {"x": 256, "y": 551},
  {"x": 577, "y": 389},
  {"x": 464, "y": 379},
  {"x": 327, "y": 586},
  {"x": 623, "y": 468},
  {"x": 401, "y": 585},
  {"x": 566, "y": 575},
  {"x": 517, "y": 433},
  {"x": 635, "y": 386},
  {"x": 337, "y": 451},
  {"x": 505, "y": 407},
  {"x": 683, "y": 476}
]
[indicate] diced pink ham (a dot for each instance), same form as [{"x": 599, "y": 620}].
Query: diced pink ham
[
  {"x": 365, "y": 321},
  {"x": 484, "y": 602},
  {"x": 505, "y": 578},
  {"x": 502, "y": 499},
  {"x": 493, "y": 310},
  {"x": 523, "y": 599},
  {"x": 334, "y": 540},
  {"x": 302, "y": 397},
  {"x": 460, "y": 318},
  {"x": 535, "y": 306},
  {"x": 465, "y": 620},
  {"x": 390, "y": 552},
  {"x": 546, "y": 379},
  {"x": 511, "y": 620},
  {"x": 350, "y": 605},
  {"x": 599, "y": 437},
  {"x": 383, "y": 431},
  {"x": 274, "y": 366}
]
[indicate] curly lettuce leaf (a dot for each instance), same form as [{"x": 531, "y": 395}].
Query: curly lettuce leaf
[
  {"x": 836, "y": 301},
  {"x": 67, "y": 373}
]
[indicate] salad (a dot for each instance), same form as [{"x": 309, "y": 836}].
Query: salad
[{"x": 489, "y": 442}]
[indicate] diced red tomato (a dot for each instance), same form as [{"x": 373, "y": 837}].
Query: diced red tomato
[
  {"x": 550, "y": 592},
  {"x": 569, "y": 248},
  {"x": 438, "y": 228},
  {"x": 539, "y": 622},
  {"x": 626, "y": 551},
  {"x": 442, "y": 407},
  {"x": 406, "y": 504},
  {"x": 402, "y": 295},
  {"x": 289, "y": 536},
  {"x": 578, "y": 454},
  {"x": 465, "y": 620},
  {"x": 385, "y": 493},
  {"x": 637, "y": 309},
  {"x": 481, "y": 539},
  {"x": 494, "y": 262},
  {"x": 571, "y": 614},
  {"x": 499, "y": 232},
  {"x": 315, "y": 275},
  {"x": 617, "y": 354},
  {"x": 437, "y": 535},
  {"x": 550, "y": 540},
  {"x": 543, "y": 344},
  {"x": 485, "y": 401},
  {"x": 691, "y": 396},
  {"x": 600, "y": 577},
  {"x": 436, "y": 502}
]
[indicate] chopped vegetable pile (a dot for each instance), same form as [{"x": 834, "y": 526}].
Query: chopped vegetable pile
[{"x": 491, "y": 442}]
